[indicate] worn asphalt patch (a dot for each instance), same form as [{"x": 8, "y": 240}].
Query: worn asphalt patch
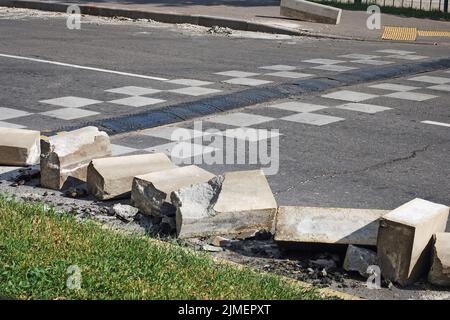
[{"x": 190, "y": 110}]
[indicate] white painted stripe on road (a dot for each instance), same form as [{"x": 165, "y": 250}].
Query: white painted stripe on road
[
  {"x": 436, "y": 123},
  {"x": 83, "y": 67}
]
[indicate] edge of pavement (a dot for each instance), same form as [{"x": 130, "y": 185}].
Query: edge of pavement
[
  {"x": 106, "y": 10},
  {"x": 252, "y": 96},
  {"x": 323, "y": 292}
]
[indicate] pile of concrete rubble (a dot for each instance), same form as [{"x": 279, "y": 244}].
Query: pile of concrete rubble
[{"x": 404, "y": 243}]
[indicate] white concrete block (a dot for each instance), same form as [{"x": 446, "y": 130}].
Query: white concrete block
[
  {"x": 328, "y": 225},
  {"x": 19, "y": 147},
  {"x": 404, "y": 239},
  {"x": 112, "y": 177},
  {"x": 310, "y": 11},
  {"x": 65, "y": 157},
  {"x": 235, "y": 203}
]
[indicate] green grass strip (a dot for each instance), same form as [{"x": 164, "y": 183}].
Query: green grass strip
[{"x": 37, "y": 246}]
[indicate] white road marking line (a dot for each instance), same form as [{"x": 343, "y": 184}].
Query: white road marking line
[
  {"x": 83, "y": 67},
  {"x": 436, "y": 123}
]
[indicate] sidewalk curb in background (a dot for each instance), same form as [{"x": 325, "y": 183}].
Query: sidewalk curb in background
[
  {"x": 248, "y": 97},
  {"x": 177, "y": 18},
  {"x": 110, "y": 11}
]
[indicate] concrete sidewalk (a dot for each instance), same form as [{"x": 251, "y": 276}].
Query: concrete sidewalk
[{"x": 250, "y": 15}]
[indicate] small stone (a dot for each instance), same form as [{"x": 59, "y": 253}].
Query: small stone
[
  {"x": 359, "y": 259},
  {"x": 210, "y": 248},
  {"x": 125, "y": 212},
  {"x": 219, "y": 241},
  {"x": 76, "y": 192}
]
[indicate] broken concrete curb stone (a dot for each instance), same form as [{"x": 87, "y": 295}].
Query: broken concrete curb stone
[
  {"x": 359, "y": 259},
  {"x": 404, "y": 239},
  {"x": 328, "y": 225},
  {"x": 151, "y": 192},
  {"x": 440, "y": 260},
  {"x": 65, "y": 157},
  {"x": 310, "y": 11},
  {"x": 112, "y": 178},
  {"x": 230, "y": 204},
  {"x": 19, "y": 147}
]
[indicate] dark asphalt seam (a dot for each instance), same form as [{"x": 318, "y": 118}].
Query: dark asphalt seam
[{"x": 252, "y": 96}]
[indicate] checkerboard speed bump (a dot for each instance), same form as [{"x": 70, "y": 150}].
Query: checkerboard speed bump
[{"x": 399, "y": 33}]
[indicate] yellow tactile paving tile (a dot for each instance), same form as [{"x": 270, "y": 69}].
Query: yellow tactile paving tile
[
  {"x": 430, "y": 33},
  {"x": 410, "y": 34},
  {"x": 399, "y": 33}
]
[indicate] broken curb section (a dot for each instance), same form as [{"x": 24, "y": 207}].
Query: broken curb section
[
  {"x": 404, "y": 244},
  {"x": 248, "y": 97}
]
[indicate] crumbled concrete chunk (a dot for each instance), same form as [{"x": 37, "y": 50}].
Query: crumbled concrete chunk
[
  {"x": 359, "y": 259},
  {"x": 151, "y": 192},
  {"x": 124, "y": 211}
]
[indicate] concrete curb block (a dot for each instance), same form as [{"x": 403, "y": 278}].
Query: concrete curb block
[
  {"x": 207, "y": 106},
  {"x": 201, "y": 20},
  {"x": 310, "y": 11}
]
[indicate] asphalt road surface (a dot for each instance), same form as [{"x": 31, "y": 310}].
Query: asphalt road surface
[
  {"x": 372, "y": 145},
  {"x": 42, "y": 60}
]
